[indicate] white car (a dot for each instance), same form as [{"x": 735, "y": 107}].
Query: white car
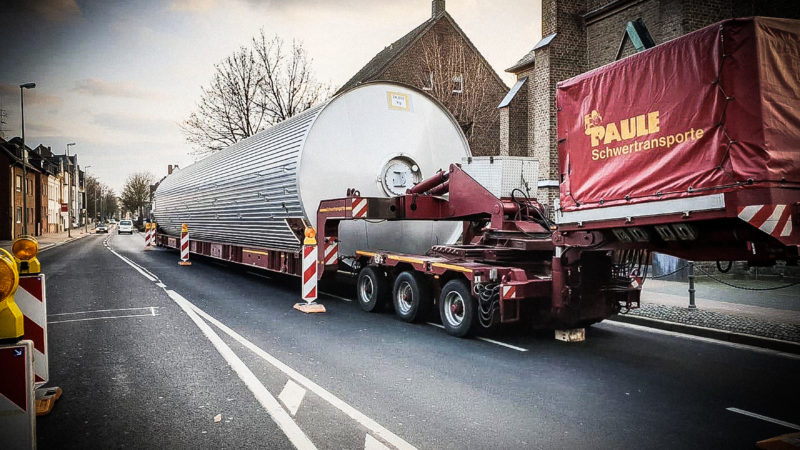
[
  {"x": 125, "y": 226},
  {"x": 112, "y": 221}
]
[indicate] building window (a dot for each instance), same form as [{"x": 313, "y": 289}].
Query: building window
[
  {"x": 19, "y": 183},
  {"x": 429, "y": 87},
  {"x": 458, "y": 84},
  {"x": 19, "y": 214}
]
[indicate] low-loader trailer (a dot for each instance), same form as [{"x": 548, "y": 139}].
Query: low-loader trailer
[{"x": 691, "y": 148}]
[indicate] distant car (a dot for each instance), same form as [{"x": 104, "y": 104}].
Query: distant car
[
  {"x": 101, "y": 228},
  {"x": 125, "y": 226},
  {"x": 112, "y": 221}
]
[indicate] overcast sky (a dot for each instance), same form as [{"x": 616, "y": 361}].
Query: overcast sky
[{"x": 117, "y": 77}]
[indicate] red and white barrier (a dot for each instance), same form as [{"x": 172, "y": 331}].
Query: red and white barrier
[
  {"x": 309, "y": 275},
  {"x": 147, "y": 236},
  {"x": 184, "y": 246},
  {"x": 32, "y": 301}
]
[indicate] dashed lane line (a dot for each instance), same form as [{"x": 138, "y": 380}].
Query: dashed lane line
[
  {"x": 102, "y": 310},
  {"x": 765, "y": 418},
  {"x": 49, "y": 322},
  {"x": 289, "y": 427},
  {"x": 491, "y": 341}
]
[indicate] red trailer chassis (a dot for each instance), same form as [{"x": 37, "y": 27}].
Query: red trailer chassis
[{"x": 507, "y": 269}]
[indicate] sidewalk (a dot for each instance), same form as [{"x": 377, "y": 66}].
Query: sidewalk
[
  {"x": 751, "y": 309},
  {"x": 50, "y": 240}
]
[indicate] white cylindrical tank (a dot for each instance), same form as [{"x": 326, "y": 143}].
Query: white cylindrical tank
[{"x": 380, "y": 138}]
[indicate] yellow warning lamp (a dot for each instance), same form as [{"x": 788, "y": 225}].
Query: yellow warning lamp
[
  {"x": 311, "y": 236},
  {"x": 25, "y": 249},
  {"x": 184, "y": 228},
  {"x": 11, "y": 319}
]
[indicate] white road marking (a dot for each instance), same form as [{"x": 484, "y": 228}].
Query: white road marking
[
  {"x": 768, "y": 419},
  {"x": 336, "y": 296},
  {"x": 153, "y": 310},
  {"x": 512, "y": 347},
  {"x": 701, "y": 339},
  {"x": 370, "y": 443},
  {"x": 491, "y": 341},
  {"x": 278, "y": 414},
  {"x": 101, "y": 318},
  {"x": 161, "y": 285},
  {"x": 101, "y": 310},
  {"x": 132, "y": 264},
  {"x": 353, "y": 413},
  {"x": 291, "y": 396}
]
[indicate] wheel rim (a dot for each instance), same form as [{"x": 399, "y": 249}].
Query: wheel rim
[
  {"x": 453, "y": 306},
  {"x": 404, "y": 298},
  {"x": 366, "y": 290}
]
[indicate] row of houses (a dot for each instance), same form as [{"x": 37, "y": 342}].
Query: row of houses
[{"x": 50, "y": 182}]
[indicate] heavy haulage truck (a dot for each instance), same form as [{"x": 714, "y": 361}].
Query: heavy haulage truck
[{"x": 691, "y": 148}]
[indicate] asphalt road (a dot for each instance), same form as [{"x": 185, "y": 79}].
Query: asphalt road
[{"x": 148, "y": 353}]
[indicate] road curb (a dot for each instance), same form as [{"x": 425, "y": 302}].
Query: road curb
[
  {"x": 712, "y": 333},
  {"x": 57, "y": 244}
]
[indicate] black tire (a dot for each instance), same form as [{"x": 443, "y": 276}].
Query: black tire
[
  {"x": 372, "y": 289},
  {"x": 411, "y": 297},
  {"x": 457, "y": 308}
]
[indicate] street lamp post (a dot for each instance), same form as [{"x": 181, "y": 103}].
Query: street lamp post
[
  {"x": 86, "y": 200},
  {"x": 24, "y": 158},
  {"x": 69, "y": 196}
]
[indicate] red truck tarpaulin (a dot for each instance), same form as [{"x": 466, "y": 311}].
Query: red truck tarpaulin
[{"x": 712, "y": 111}]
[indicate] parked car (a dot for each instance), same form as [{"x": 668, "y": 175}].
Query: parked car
[
  {"x": 101, "y": 228},
  {"x": 125, "y": 226}
]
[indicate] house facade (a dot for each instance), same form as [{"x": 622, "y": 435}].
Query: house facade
[
  {"x": 580, "y": 35},
  {"x": 51, "y": 181},
  {"x": 438, "y": 58}
]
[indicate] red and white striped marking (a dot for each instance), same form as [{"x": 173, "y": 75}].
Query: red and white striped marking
[
  {"x": 147, "y": 236},
  {"x": 775, "y": 220},
  {"x": 359, "y": 207},
  {"x": 331, "y": 251},
  {"x": 184, "y": 246},
  {"x": 309, "y": 290},
  {"x": 31, "y": 299},
  {"x": 509, "y": 291}
]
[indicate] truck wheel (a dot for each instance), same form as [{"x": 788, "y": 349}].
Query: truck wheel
[
  {"x": 372, "y": 289},
  {"x": 411, "y": 297},
  {"x": 457, "y": 308}
]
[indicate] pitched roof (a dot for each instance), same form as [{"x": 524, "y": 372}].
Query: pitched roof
[
  {"x": 529, "y": 58},
  {"x": 381, "y": 61}
]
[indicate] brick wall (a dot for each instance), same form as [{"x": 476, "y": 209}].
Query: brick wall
[{"x": 484, "y": 133}]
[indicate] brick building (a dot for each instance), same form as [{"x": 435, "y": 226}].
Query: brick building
[
  {"x": 14, "y": 183},
  {"x": 580, "y": 35},
  {"x": 52, "y": 179},
  {"x": 439, "y": 58}
]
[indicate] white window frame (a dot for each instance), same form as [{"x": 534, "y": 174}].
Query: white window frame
[
  {"x": 429, "y": 87},
  {"x": 18, "y": 180},
  {"x": 459, "y": 79}
]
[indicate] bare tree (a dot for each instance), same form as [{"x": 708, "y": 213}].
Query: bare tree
[
  {"x": 136, "y": 192},
  {"x": 457, "y": 78},
  {"x": 257, "y": 86}
]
